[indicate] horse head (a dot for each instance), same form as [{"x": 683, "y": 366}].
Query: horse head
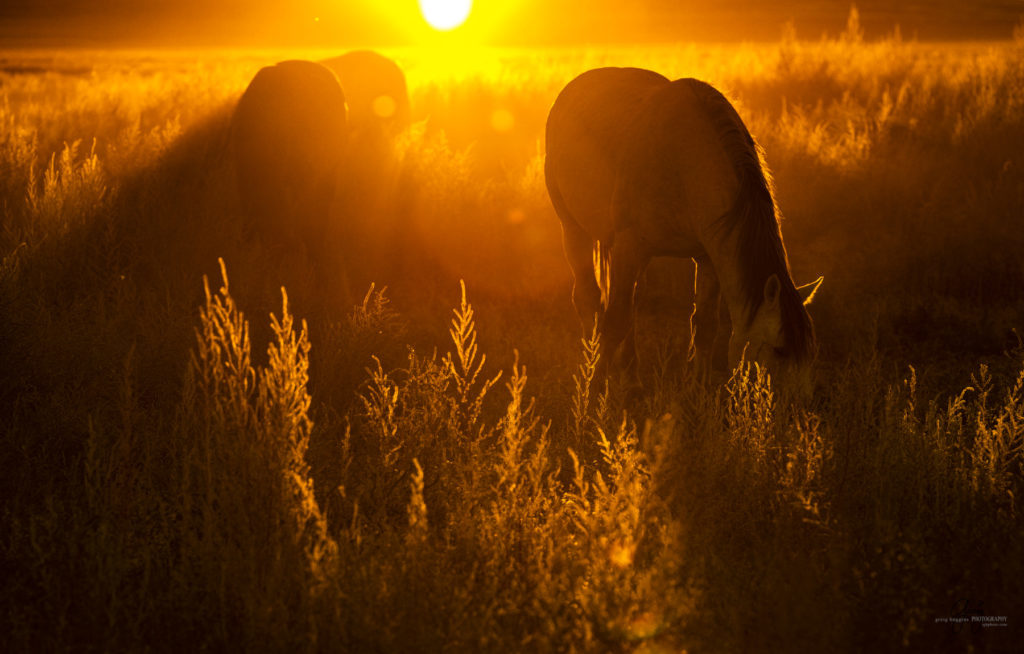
[{"x": 775, "y": 339}]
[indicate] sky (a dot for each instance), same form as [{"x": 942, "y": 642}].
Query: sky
[{"x": 314, "y": 23}]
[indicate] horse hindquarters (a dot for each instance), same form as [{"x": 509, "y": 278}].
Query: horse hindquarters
[{"x": 289, "y": 135}]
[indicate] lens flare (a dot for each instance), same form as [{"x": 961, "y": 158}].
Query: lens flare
[
  {"x": 445, "y": 15},
  {"x": 502, "y": 120},
  {"x": 384, "y": 106}
]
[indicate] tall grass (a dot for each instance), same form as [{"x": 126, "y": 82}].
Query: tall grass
[{"x": 384, "y": 475}]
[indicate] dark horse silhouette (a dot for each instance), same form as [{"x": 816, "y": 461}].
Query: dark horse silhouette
[
  {"x": 289, "y": 135},
  {"x": 638, "y": 166},
  {"x": 378, "y": 98},
  {"x": 373, "y": 190}
]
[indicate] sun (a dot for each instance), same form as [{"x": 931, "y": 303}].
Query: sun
[{"x": 445, "y": 15}]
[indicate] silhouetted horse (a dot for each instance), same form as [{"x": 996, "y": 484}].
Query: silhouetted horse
[
  {"x": 289, "y": 135},
  {"x": 637, "y": 167},
  {"x": 375, "y": 87},
  {"x": 372, "y": 194}
]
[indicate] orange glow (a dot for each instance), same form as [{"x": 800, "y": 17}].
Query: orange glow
[
  {"x": 445, "y": 15},
  {"x": 502, "y": 120},
  {"x": 621, "y": 554},
  {"x": 449, "y": 36}
]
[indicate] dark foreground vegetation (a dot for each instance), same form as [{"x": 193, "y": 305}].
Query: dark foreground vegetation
[{"x": 191, "y": 458}]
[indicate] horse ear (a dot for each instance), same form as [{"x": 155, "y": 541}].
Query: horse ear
[
  {"x": 807, "y": 291},
  {"x": 772, "y": 288}
]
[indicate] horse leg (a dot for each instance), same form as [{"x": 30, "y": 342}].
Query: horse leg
[
  {"x": 618, "y": 345},
  {"x": 579, "y": 250},
  {"x": 704, "y": 320},
  {"x": 628, "y": 347}
]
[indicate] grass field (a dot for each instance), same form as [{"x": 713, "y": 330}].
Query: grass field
[{"x": 182, "y": 470}]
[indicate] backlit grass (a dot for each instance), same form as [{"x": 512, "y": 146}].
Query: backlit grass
[{"x": 418, "y": 466}]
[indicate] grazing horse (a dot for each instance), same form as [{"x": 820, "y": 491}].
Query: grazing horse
[
  {"x": 378, "y": 99},
  {"x": 372, "y": 193},
  {"x": 289, "y": 134},
  {"x": 638, "y": 166}
]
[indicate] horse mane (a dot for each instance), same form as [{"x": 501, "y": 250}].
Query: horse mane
[{"x": 756, "y": 218}]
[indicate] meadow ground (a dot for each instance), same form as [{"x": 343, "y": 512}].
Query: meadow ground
[{"x": 353, "y": 473}]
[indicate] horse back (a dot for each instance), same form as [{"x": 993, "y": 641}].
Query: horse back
[
  {"x": 677, "y": 175},
  {"x": 585, "y": 137}
]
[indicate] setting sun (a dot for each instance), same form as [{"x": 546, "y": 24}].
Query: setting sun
[{"x": 445, "y": 14}]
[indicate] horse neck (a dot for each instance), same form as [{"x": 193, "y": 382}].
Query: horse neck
[
  {"x": 722, "y": 246},
  {"x": 745, "y": 248}
]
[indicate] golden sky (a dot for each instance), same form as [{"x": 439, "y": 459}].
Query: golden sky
[{"x": 501, "y": 22}]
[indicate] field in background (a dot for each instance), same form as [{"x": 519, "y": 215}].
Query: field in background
[{"x": 176, "y": 475}]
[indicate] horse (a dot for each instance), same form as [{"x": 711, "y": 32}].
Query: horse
[
  {"x": 638, "y": 166},
  {"x": 373, "y": 189},
  {"x": 289, "y": 135},
  {"x": 378, "y": 98}
]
